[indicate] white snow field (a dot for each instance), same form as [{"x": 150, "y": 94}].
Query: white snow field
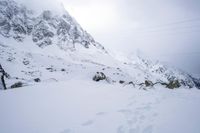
[{"x": 80, "y": 106}]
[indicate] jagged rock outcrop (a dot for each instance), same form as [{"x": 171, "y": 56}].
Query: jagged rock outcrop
[
  {"x": 16, "y": 85},
  {"x": 168, "y": 74},
  {"x": 99, "y": 76}
]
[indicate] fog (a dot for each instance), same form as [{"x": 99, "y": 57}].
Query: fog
[{"x": 167, "y": 30}]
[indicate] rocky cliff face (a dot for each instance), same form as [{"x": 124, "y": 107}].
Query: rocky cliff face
[{"x": 46, "y": 29}]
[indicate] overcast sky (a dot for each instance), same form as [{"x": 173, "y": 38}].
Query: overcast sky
[{"x": 168, "y": 30}]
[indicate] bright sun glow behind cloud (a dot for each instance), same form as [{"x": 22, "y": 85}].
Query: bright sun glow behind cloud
[{"x": 94, "y": 16}]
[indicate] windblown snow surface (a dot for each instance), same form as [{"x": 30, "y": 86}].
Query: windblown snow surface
[{"x": 79, "y": 106}]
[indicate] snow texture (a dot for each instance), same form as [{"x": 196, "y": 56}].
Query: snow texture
[{"x": 82, "y": 106}]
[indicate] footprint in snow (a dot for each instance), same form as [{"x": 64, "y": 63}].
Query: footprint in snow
[
  {"x": 131, "y": 103},
  {"x": 88, "y": 123},
  {"x": 132, "y": 121},
  {"x": 148, "y": 129},
  {"x": 125, "y": 111},
  {"x": 66, "y": 131},
  {"x": 101, "y": 113},
  {"x": 136, "y": 112},
  {"x": 121, "y": 129},
  {"x": 142, "y": 117},
  {"x": 147, "y": 107},
  {"x": 134, "y": 130},
  {"x": 155, "y": 114}
]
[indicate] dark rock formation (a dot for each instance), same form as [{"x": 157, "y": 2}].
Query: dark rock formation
[
  {"x": 17, "y": 85},
  {"x": 99, "y": 76}
]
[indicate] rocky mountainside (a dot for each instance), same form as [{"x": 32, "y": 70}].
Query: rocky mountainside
[
  {"x": 53, "y": 47},
  {"x": 17, "y": 22}
]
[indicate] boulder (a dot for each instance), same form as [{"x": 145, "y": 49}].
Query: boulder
[
  {"x": 99, "y": 76},
  {"x": 173, "y": 84},
  {"x": 148, "y": 83},
  {"x": 37, "y": 80},
  {"x": 121, "y": 81},
  {"x": 17, "y": 85}
]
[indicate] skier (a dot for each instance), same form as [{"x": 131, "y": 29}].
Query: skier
[{"x": 2, "y": 81}]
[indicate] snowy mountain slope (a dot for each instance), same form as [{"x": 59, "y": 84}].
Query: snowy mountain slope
[
  {"x": 26, "y": 66},
  {"x": 62, "y": 66},
  {"x": 83, "y": 106},
  {"x": 46, "y": 29},
  {"x": 52, "y": 47}
]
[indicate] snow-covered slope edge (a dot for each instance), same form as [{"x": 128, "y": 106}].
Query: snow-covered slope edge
[{"x": 51, "y": 47}]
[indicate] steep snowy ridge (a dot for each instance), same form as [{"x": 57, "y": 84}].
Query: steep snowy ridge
[
  {"x": 52, "y": 47},
  {"x": 46, "y": 29}
]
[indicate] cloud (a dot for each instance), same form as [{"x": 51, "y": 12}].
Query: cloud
[{"x": 40, "y": 5}]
